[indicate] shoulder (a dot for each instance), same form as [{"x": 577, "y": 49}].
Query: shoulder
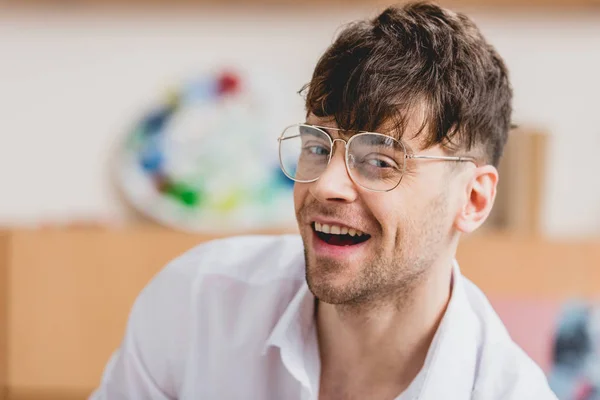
[
  {"x": 228, "y": 270},
  {"x": 507, "y": 372},
  {"x": 241, "y": 257},
  {"x": 202, "y": 296},
  {"x": 195, "y": 307},
  {"x": 246, "y": 259},
  {"x": 504, "y": 370}
]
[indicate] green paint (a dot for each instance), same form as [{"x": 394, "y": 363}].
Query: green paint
[{"x": 185, "y": 194}]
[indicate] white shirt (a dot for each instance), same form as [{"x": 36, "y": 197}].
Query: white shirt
[{"x": 234, "y": 319}]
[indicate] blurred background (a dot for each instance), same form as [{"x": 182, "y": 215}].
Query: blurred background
[{"x": 133, "y": 130}]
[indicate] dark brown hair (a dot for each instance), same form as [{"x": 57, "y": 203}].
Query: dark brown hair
[{"x": 417, "y": 55}]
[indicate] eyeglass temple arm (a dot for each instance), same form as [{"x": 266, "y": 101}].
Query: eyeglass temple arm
[{"x": 442, "y": 158}]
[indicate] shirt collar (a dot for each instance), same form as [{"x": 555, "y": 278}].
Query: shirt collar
[
  {"x": 452, "y": 358},
  {"x": 291, "y": 333}
]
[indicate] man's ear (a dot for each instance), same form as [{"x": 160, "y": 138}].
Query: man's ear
[{"x": 480, "y": 196}]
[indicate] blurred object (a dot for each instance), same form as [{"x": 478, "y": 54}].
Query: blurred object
[
  {"x": 205, "y": 159},
  {"x": 575, "y": 374},
  {"x": 561, "y": 335},
  {"x": 519, "y": 201},
  {"x": 70, "y": 291}
]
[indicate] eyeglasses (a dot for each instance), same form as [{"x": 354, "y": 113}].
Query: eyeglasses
[{"x": 374, "y": 161}]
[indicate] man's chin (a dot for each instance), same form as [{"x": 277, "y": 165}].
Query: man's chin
[
  {"x": 328, "y": 294},
  {"x": 329, "y": 287},
  {"x": 333, "y": 280}
]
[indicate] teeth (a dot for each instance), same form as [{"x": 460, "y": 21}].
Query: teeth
[{"x": 337, "y": 230}]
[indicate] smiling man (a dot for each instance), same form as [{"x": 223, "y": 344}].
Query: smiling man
[{"x": 407, "y": 117}]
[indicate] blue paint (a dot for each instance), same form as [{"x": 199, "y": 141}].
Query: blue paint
[
  {"x": 282, "y": 179},
  {"x": 155, "y": 122},
  {"x": 151, "y": 159}
]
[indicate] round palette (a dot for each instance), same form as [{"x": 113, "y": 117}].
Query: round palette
[{"x": 205, "y": 158}]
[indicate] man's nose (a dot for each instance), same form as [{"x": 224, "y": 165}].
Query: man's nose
[{"x": 335, "y": 184}]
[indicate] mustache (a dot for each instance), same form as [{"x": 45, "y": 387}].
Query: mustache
[{"x": 338, "y": 212}]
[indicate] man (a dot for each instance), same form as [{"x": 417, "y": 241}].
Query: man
[{"x": 407, "y": 116}]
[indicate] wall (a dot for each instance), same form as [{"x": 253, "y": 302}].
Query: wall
[{"x": 71, "y": 84}]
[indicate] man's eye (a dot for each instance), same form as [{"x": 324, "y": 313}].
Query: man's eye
[
  {"x": 381, "y": 162},
  {"x": 318, "y": 150},
  {"x": 378, "y": 163}
]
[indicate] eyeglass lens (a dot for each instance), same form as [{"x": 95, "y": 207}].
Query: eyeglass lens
[{"x": 374, "y": 161}]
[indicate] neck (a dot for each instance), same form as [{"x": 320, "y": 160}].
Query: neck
[{"x": 390, "y": 340}]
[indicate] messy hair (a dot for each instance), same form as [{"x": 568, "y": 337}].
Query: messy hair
[{"x": 417, "y": 56}]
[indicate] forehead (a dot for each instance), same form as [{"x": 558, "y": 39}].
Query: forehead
[
  {"x": 411, "y": 133},
  {"x": 335, "y": 131}
]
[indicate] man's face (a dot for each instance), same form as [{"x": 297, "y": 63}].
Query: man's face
[{"x": 407, "y": 228}]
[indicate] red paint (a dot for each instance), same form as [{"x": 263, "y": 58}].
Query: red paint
[{"x": 229, "y": 83}]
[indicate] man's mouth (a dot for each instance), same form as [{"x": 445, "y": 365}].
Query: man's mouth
[{"x": 339, "y": 235}]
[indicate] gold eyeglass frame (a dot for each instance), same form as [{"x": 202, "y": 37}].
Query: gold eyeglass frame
[{"x": 407, "y": 154}]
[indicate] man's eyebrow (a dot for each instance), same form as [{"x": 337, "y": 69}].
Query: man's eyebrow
[
  {"x": 393, "y": 133},
  {"x": 325, "y": 129},
  {"x": 312, "y": 132},
  {"x": 308, "y": 132}
]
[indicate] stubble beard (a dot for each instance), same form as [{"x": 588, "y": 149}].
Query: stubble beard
[
  {"x": 380, "y": 280},
  {"x": 386, "y": 277}
]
